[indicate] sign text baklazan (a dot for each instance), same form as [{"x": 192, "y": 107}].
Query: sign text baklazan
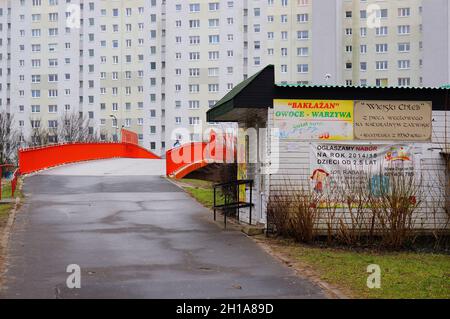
[{"x": 314, "y": 119}]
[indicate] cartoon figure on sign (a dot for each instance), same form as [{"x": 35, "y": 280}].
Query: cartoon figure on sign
[
  {"x": 319, "y": 176},
  {"x": 397, "y": 154}
]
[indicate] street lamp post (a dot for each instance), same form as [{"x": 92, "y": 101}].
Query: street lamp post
[{"x": 117, "y": 127}]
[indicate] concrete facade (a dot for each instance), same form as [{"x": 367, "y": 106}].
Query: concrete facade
[
  {"x": 156, "y": 67},
  {"x": 436, "y": 47}
]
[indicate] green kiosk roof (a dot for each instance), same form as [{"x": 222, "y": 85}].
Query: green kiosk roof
[{"x": 257, "y": 93}]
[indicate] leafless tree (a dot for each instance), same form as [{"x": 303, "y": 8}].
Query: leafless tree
[
  {"x": 41, "y": 136},
  {"x": 74, "y": 127},
  {"x": 71, "y": 128},
  {"x": 101, "y": 136},
  {"x": 9, "y": 138}
]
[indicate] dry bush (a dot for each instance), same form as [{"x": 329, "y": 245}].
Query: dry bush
[
  {"x": 446, "y": 185},
  {"x": 352, "y": 212},
  {"x": 355, "y": 222},
  {"x": 437, "y": 203},
  {"x": 304, "y": 216},
  {"x": 278, "y": 209},
  {"x": 293, "y": 211},
  {"x": 395, "y": 209}
]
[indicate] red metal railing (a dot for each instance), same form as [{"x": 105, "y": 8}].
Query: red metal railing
[
  {"x": 129, "y": 137},
  {"x": 39, "y": 158},
  {"x": 187, "y": 158}
]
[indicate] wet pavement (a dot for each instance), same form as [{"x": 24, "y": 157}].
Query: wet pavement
[{"x": 133, "y": 236}]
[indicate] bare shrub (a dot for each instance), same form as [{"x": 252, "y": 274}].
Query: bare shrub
[
  {"x": 9, "y": 138},
  {"x": 278, "y": 214},
  {"x": 304, "y": 215},
  {"x": 330, "y": 211},
  {"x": 437, "y": 200},
  {"x": 445, "y": 183},
  {"x": 355, "y": 223},
  {"x": 396, "y": 206},
  {"x": 294, "y": 212},
  {"x": 365, "y": 210}
]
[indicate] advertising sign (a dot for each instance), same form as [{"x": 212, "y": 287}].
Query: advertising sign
[
  {"x": 314, "y": 119},
  {"x": 393, "y": 120},
  {"x": 334, "y": 166},
  {"x": 242, "y": 163}
]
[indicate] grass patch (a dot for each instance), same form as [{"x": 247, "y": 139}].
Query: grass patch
[
  {"x": 4, "y": 211},
  {"x": 5, "y": 208},
  {"x": 403, "y": 274},
  {"x": 197, "y": 183},
  {"x": 203, "y": 196},
  {"x": 6, "y": 194},
  {"x": 6, "y": 190},
  {"x": 202, "y": 191}
]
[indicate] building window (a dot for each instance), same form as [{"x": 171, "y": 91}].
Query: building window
[
  {"x": 381, "y": 65},
  {"x": 404, "y": 64},
  {"x": 404, "y": 81},
  {"x": 194, "y": 121},
  {"x": 302, "y": 68}
]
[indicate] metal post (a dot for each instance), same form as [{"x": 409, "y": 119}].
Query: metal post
[
  {"x": 238, "y": 210},
  {"x": 1, "y": 174},
  {"x": 251, "y": 202},
  {"x": 214, "y": 203},
  {"x": 225, "y": 210}
]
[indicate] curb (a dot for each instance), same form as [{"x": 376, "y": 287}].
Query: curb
[
  {"x": 4, "y": 240},
  {"x": 11, "y": 218},
  {"x": 303, "y": 271}
]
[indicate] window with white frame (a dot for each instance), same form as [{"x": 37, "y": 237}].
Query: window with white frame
[
  {"x": 381, "y": 65},
  {"x": 302, "y": 68},
  {"x": 404, "y": 64}
]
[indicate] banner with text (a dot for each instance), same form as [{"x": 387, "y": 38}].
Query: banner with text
[
  {"x": 393, "y": 120},
  {"x": 335, "y": 167},
  {"x": 314, "y": 119}
]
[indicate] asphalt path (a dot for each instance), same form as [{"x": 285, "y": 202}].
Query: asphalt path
[{"x": 134, "y": 235}]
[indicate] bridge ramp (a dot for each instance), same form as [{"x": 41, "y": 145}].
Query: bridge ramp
[{"x": 112, "y": 167}]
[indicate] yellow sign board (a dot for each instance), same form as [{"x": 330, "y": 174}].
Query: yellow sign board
[
  {"x": 242, "y": 163},
  {"x": 326, "y": 120}
]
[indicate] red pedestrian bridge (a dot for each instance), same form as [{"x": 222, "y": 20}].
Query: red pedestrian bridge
[
  {"x": 44, "y": 157},
  {"x": 40, "y": 158},
  {"x": 180, "y": 161}
]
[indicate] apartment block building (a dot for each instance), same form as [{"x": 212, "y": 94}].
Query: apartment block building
[
  {"x": 436, "y": 42},
  {"x": 349, "y": 42},
  {"x": 387, "y": 48},
  {"x": 98, "y": 59},
  {"x": 156, "y": 66},
  {"x": 205, "y": 55},
  {"x": 5, "y": 57}
]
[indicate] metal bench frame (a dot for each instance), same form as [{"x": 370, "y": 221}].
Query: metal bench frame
[{"x": 236, "y": 204}]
